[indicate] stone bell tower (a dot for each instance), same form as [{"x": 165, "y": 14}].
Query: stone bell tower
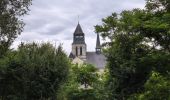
[{"x": 79, "y": 45}]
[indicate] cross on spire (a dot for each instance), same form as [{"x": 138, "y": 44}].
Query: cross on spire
[{"x": 78, "y": 19}]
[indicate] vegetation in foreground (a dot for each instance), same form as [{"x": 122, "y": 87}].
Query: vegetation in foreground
[
  {"x": 33, "y": 72},
  {"x": 138, "y": 56},
  {"x": 138, "y": 53}
]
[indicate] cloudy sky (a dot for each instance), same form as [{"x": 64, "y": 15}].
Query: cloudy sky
[{"x": 56, "y": 20}]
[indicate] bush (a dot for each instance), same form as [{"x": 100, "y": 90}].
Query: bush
[{"x": 33, "y": 72}]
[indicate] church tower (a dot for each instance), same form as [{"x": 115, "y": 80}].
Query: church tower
[
  {"x": 98, "y": 46},
  {"x": 79, "y": 45}
]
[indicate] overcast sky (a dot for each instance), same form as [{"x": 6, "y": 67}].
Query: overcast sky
[{"x": 56, "y": 20}]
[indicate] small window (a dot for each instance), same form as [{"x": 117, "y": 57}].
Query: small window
[
  {"x": 76, "y": 51},
  {"x": 80, "y": 50}
]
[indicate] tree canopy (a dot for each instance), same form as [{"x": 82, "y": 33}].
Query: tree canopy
[
  {"x": 11, "y": 24},
  {"x": 138, "y": 44},
  {"x": 33, "y": 72}
]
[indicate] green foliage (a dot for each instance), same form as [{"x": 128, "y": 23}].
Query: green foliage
[
  {"x": 138, "y": 55},
  {"x": 85, "y": 83},
  {"x": 126, "y": 54},
  {"x": 82, "y": 94},
  {"x": 156, "y": 88},
  {"x": 86, "y": 74},
  {"x": 33, "y": 72},
  {"x": 139, "y": 44},
  {"x": 10, "y": 23},
  {"x": 158, "y": 5}
]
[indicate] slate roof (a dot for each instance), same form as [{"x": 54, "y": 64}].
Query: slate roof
[
  {"x": 98, "y": 60},
  {"x": 78, "y": 30}
]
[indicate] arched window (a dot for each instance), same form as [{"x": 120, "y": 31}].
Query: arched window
[
  {"x": 80, "y": 50},
  {"x": 76, "y": 51}
]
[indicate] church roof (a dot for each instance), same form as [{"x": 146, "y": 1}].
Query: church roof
[
  {"x": 98, "y": 60},
  {"x": 78, "y": 30},
  {"x": 98, "y": 41},
  {"x": 72, "y": 55}
]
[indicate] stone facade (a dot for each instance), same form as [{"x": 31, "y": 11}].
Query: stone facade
[{"x": 79, "y": 54}]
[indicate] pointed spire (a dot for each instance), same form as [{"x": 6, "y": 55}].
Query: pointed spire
[
  {"x": 98, "y": 41},
  {"x": 78, "y": 29},
  {"x": 98, "y": 46}
]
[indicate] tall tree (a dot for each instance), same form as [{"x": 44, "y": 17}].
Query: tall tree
[
  {"x": 11, "y": 24},
  {"x": 139, "y": 43},
  {"x": 126, "y": 54}
]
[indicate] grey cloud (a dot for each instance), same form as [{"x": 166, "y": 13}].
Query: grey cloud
[{"x": 56, "y": 19}]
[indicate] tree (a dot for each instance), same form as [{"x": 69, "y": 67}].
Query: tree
[
  {"x": 156, "y": 88},
  {"x": 84, "y": 83},
  {"x": 11, "y": 24},
  {"x": 86, "y": 74},
  {"x": 139, "y": 43},
  {"x": 33, "y": 72},
  {"x": 126, "y": 54}
]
